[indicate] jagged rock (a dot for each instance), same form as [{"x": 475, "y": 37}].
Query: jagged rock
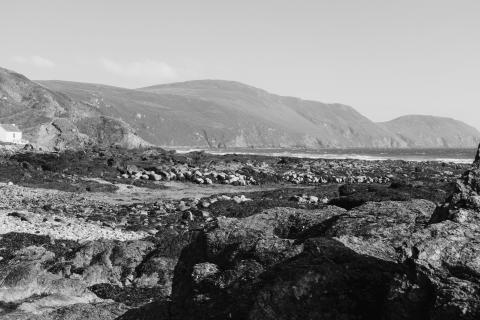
[
  {"x": 242, "y": 249},
  {"x": 25, "y": 276},
  {"x": 464, "y": 204},
  {"x": 109, "y": 261},
  {"x": 271, "y": 266},
  {"x": 81, "y": 311},
  {"x": 378, "y": 228}
]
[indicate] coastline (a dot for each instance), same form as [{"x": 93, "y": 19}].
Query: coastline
[{"x": 460, "y": 156}]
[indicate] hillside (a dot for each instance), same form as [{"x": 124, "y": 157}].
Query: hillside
[
  {"x": 52, "y": 119},
  {"x": 229, "y": 114},
  {"x": 435, "y": 132},
  {"x": 205, "y": 113},
  {"x": 286, "y": 121}
]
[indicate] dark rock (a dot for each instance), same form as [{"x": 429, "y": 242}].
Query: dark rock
[
  {"x": 346, "y": 190},
  {"x": 109, "y": 261},
  {"x": 20, "y": 215},
  {"x": 254, "y": 268}
]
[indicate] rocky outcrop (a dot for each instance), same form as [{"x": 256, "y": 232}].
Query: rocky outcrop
[
  {"x": 93, "y": 311},
  {"x": 464, "y": 204},
  {"x": 282, "y": 265},
  {"x": 54, "y": 121},
  {"x": 380, "y": 260},
  {"x": 41, "y": 284},
  {"x": 110, "y": 131},
  {"x": 59, "y": 134},
  {"x": 25, "y": 276}
]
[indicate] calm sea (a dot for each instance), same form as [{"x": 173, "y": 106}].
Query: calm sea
[{"x": 443, "y": 155}]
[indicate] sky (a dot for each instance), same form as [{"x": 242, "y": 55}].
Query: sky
[{"x": 386, "y": 58}]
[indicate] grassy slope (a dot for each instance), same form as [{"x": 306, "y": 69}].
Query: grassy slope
[
  {"x": 199, "y": 113},
  {"x": 226, "y": 113}
]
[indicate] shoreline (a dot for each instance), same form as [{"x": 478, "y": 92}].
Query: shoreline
[{"x": 338, "y": 156}]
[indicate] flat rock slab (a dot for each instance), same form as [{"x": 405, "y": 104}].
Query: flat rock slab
[{"x": 61, "y": 227}]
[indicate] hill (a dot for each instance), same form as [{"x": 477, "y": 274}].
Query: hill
[
  {"x": 435, "y": 132},
  {"x": 52, "y": 119},
  {"x": 205, "y": 113},
  {"x": 258, "y": 118}
]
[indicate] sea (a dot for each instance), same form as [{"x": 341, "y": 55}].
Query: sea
[{"x": 440, "y": 155}]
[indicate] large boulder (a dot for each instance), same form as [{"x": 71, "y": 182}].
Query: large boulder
[
  {"x": 382, "y": 260},
  {"x": 280, "y": 265}
]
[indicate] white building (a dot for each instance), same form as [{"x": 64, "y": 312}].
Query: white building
[{"x": 10, "y": 133}]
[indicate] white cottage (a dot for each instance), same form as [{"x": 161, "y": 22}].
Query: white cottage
[{"x": 10, "y": 133}]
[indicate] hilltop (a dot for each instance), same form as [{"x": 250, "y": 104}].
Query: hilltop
[{"x": 435, "y": 132}]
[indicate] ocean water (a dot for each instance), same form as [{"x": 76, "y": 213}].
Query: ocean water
[{"x": 441, "y": 155}]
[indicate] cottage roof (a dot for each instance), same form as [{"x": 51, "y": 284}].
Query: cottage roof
[{"x": 10, "y": 127}]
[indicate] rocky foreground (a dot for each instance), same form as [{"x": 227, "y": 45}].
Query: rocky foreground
[{"x": 109, "y": 233}]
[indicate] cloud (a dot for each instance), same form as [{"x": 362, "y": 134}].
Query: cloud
[
  {"x": 151, "y": 69},
  {"x": 36, "y": 61}
]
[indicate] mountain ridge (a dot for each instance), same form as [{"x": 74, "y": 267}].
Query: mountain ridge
[{"x": 217, "y": 114}]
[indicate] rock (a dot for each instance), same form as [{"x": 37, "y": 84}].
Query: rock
[
  {"x": 237, "y": 199},
  {"x": 132, "y": 169},
  {"x": 152, "y": 231},
  {"x": 304, "y": 199},
  {"x": 203, "y": 271},
  {"x": 155, "y": 177},
  {"x": 240, "y": 199},
  {"x": 109, "y": 261},
  {"x": 466, "y": 196},
  {"x": 274, "y": 265},
  {"x": 19, "y": 215},
  {"x": 198, "y": 180},
  {"x": 346, "y": 190},
  {"x": 182, "y": 206},
  {"x": 156, "y": 271},
  {"x": 25, "y": 277},
  {"x": 379, "y": 229},
  {"x": 299, "y": 198},
  {"x": 81, "y": 311},
  {"x": 188, "y": 215}
]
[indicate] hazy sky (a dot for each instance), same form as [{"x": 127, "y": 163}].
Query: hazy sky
[{"x": 386, "y": 58}]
